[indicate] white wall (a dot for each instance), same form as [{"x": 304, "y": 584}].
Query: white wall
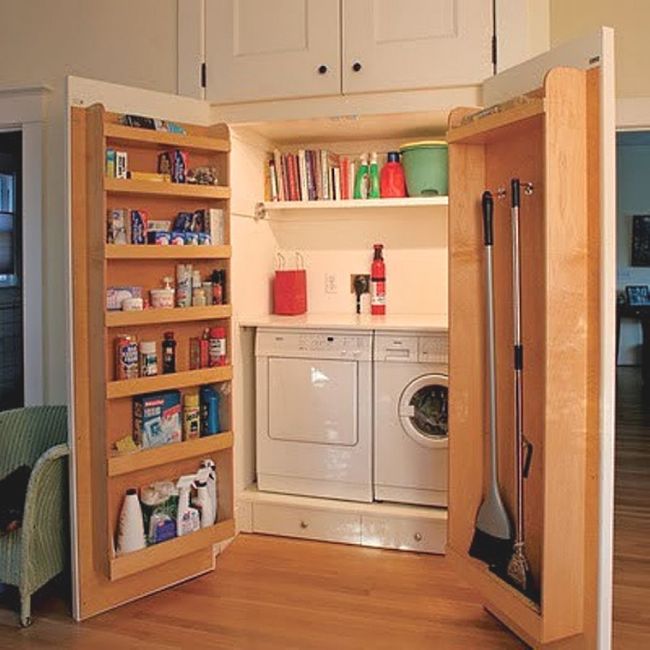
[
  {"x": 130, "y": 42},
  {"x": 633, "y": 172}
]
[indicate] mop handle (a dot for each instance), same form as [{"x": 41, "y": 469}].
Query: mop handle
[
  {"x": 518, "y": 360},
  {"x": 488, "y": 240}
]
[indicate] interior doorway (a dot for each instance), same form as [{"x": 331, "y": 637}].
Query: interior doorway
[{"x": 12, "y": 373}]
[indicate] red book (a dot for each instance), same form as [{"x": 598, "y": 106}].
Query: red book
[
  {"x": 345, "y": 177},
  {"x": 285, "y": 176},
  {"x": 293, "y": 177}
]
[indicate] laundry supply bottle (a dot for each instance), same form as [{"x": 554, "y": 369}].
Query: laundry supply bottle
[
  {"x": 378, "y": 282},
  {"x": 209, "y": 465},
  {"x": 209, "y": 411},
  {"x": 393, "y": 182},
  {"x": 361, "y": 179},
  {"x": 130, "y": 527},
  {"x": 202, "y": 500},
  {"x": 373, "y": 177},
  {"x": 187, "y": 518}
]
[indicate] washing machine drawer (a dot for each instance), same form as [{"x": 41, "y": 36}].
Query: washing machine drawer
[
  {"x": 307, "y": 523},
  {"x": 405, "y": 533}
]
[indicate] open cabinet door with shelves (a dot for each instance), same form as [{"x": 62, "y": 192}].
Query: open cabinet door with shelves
[
  {"x": 552, "y": 129},
  {"x": 105, "y": 402}
]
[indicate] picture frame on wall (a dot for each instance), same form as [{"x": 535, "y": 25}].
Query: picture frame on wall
[
  {"x": 638, "y": 295},
  {"x": 640, "y": 240}
]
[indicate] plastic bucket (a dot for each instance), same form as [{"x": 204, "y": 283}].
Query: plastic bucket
[{"x": 425, "y": 168}]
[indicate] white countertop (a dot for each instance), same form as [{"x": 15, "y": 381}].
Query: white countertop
[{"x": 397, "y": 322}]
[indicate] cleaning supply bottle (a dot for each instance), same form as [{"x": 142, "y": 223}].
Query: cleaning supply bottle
[
  {"x": 202, "y": 500},
  {"x": 373, "y": 177},
  {"x": 191, "y": 416},
  {"x": 209, "y": 465},
  {"x": 187, "y": 518},
  {"x": 130, "y": 528},
  {"x": 393, "y": 182},
  {"x": 209, "y": 411},
  {"x": 378, "y": 283},
  {"x": 361, "y": 179}
]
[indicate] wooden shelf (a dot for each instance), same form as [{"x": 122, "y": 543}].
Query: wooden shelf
[
  {"x": 152, "y": 556},
  {"x": 141, "y": 385},
  {"x": 488, "y": 128},
  {"x": 131, "y": 136},
  {"x": 358, "y": 204},
  {"x": 183, "y": 190},
  {"x": 153, "y": 252},
  {"x": 139, "y": 460},
  {"x": 175, "y": 315}
]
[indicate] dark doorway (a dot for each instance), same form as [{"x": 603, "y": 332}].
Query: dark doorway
[{"x": 11, "y": 292}]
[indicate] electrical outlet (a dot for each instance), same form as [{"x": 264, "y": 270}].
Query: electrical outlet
[
  {"x": 330, "y": 283},
  {"x": 365, "y": 279}
]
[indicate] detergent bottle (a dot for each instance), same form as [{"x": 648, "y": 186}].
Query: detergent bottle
[
  {"x": 202, "y": 501},
  {"x": 209, "y": 465},
  {"x": 187, "y": 518}
]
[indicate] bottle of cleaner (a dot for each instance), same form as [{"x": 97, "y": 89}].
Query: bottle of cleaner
[
  {"x": 202, "y": 500},
  {"x": 187, "y": 518},
  {"x": 209, "y": 411},
  {"x": 130, "y": 529},
  {"x": 373, "y": 177},
  {"x": 392, "y": 181},
  {"x": 378, "y": 283},
  {"x": 209, "y": 465},
  {"x": 361, "y": 179}
]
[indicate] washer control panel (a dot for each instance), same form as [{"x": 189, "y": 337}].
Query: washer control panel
[{"x": 317, "y": 344}]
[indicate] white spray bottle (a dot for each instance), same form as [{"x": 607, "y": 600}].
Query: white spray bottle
[
  {"x": 211, "y": 480},
  {"x": 203, "y": 503},
  {"x": 187, "y": 517}
]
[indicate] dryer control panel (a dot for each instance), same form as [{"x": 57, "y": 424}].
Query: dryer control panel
[{"x": 317, "y": 344}]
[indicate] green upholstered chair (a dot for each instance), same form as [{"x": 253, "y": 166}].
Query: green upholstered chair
[{"x": 37, "y": 551}]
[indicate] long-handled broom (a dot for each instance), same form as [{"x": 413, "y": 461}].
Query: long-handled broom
[{"x": 492, "y": 542}]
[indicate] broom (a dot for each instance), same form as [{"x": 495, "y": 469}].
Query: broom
[{"x": 492, "y": 542}]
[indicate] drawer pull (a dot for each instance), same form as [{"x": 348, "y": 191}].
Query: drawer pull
[
  {"x": 304, "y": 524},
  {"x": 417, "y": 537}
]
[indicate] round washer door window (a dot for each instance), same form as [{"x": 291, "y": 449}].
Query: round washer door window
[{"x": 423, "y": 410}]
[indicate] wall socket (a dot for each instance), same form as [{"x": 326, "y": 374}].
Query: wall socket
[
  {"x": 354, "y": 276},
  {"x": 331, "y": 285}
]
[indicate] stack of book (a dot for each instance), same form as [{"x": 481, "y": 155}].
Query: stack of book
[{"x": 310, "y": 175}]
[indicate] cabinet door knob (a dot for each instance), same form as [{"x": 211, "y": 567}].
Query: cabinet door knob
[
  {"x": 304, "y": 524},
  {"x": 322, "y": 69},
  {"x": 356, "y": 66},
  {"x": 417, "y": 537}
]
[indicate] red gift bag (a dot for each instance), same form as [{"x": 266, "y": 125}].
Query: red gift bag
[{"x": 290, "y": 289}]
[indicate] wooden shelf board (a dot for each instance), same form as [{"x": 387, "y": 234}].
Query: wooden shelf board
[
  {"x": 183, "y": 190},
  {"x": 141, "y": 385},
  {"x": 486, "y": 128},
  {"x": 175, "y": 315},
  {"x": 152, "y": 556},
  {"x": 153, "y": 252},
  {"x": 147, "y": 458},
  {"x": 120, "y": 134},
  {"x": 359, "y": 204}
]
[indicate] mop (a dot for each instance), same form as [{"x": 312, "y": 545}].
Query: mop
[
  {"x": 492, "y": 542},
  {"x": 518, "y": 572}
]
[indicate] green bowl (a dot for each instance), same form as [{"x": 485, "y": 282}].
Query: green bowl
[{"x": 425, "y": 168}]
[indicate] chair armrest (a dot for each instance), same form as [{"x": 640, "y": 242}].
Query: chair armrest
[{"x": 45, "y": 519}]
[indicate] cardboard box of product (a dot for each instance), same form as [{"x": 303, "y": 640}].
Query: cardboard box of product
[{"x": 157, "y": 419}]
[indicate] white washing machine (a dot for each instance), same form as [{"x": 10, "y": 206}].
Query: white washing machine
[
  {"x": 410, "y": 417},
  {"x": 314, "y": 413}
]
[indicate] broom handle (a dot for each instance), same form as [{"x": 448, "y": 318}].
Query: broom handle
[
  {"x": 518, "y": 360},
  {"x": 488, "y": 213}
]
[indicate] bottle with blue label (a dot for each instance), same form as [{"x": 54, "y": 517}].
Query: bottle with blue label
[{"x": 210, "y": 424}]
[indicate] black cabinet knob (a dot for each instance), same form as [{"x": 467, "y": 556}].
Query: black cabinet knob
[
  {"x": 356, "y": 66},
  {"x": 322, "y": 69}
]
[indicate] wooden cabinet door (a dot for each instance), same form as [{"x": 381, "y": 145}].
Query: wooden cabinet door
[
  {"x": 271, "y": 50},
  {"x": 390, "y": 45}
]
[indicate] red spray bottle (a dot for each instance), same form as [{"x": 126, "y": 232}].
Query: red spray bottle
[{"x": 378, "y": 283}]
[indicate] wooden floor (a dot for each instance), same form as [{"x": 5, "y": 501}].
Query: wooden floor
[{"x": 272, "y": 593}]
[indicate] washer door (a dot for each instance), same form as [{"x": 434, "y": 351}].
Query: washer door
[{"x": 423, "y": 410}]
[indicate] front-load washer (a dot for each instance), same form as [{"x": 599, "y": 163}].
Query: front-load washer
[
  {"x": 410, "y": 417},
  {"x": 314, "y": 413}
]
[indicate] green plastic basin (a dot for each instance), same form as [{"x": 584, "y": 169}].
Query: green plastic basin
[{"x": 425, "y": 168}]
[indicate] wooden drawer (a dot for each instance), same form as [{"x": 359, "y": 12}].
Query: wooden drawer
[
  {"x": 405, "y": 533},
  {"x": 308, "y": 523}
]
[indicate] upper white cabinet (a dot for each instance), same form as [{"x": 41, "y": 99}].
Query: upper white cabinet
[
  {"x": 268, "y": 49},
  {"x": 389, "y": 45},
  {"x": 274, "y": 49}
]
